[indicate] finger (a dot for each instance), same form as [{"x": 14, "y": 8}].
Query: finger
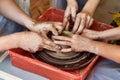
[
  {"x": 91, "y": 22},
  {"x": 73, "y": 14},
  {"x": 63, "y": 38},
  {"x": 66, "y": 50},
  {"x": 77, "y": 22},
  {"x": 88, "y": 21},
  {"x": 51, "y": 46},
  {"x": 82, "y": 25},
  {"x": 67, "y": 26},
  {"x": 59, "y": 28},
  {"x": 53, "y": 30},
  {"x": 48, "y": 47},
  {"x": 66, "y": 16},
  {"x": 67, "y": 43}
]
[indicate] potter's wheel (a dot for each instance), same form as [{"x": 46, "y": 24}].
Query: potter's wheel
[{"x": 65, "y": 61}]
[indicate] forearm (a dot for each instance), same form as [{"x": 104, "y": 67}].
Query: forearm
[
  {"x": 71, "y": 1},
  {"x": 8, "y": 42},
  {"x": 90, "y": 6},
  {"x": 108, "y": 51},
  {"x": 111, "y": 34},
  {"x": 11, "y": 10}
]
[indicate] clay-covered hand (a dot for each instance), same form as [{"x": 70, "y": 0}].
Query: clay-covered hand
[
  {"x": 32, "y": 42},
  {"x": 70, "y": 12},
  {"x": 44, "y": 27},
  {"x": 83, "y": 20},
  {"x": 77, "y": 43}
]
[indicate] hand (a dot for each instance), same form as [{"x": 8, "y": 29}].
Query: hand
[
  {"x": 83, "y": 20},
  {"x": 44, "y": 27},
  {"x": 77, "y": 43},
  {"x": 33, "y": 42},
  {"x": 70, "y": 11}
]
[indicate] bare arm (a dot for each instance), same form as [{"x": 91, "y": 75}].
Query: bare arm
[
  {"x": 111, "y": 34},
  {"x": 11, "y": 10},
  {"x": 8, "y": 42},
  {"x": 108, "y": 51},
  {"x": 90, "y": 7},
  {"x": 25, "y": 41}
]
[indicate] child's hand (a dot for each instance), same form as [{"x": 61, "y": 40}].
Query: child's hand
[{"x": 70, "y": 11}]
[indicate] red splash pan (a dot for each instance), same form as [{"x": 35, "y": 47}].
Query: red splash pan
[{"x": 24, "y": 60}]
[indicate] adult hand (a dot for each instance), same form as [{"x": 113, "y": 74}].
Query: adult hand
[
  {"x": 77, "y": 43},
  {"x": 70, "y": 11},
  {"x": 33, "y": 42},
  {"x": 83, "y": 20},
  {"x": 44, "y": 27}
]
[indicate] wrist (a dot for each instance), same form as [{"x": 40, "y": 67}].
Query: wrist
[
  {"x": 86, "y": 11},
  {"x": 16, "y": 39},
  {"x": 90, "y": 8},
  {"x": 71, "y": 1},
  {"x": 93, "y": 48},
  {"x": 30, "y": 24}
]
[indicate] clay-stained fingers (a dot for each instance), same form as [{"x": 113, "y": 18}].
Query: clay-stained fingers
[
  {"x": 77, "y": 23},
  {"x": 50, "y": 45},
  {"x": 67, "y": 26},
  {"x": 66, "y": 16},
  {"x": 88, "y": 21},
  {"x": 62, "y": 38},
  {"x": 58, "y": 26},
  {"x": 82, "y": 24},
  {"x": 73, "y": 13},
  {"x": 66, "y": 43},
  {"x": 53, "y": 29},
  {"x": 91, "y": 22}
]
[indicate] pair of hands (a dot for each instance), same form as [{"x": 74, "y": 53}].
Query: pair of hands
[
  {"x": 81, "y": 20},
  {"x": 37, "y": 40}
]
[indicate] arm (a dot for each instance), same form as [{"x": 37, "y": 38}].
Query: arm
[
  {"x": 90, "y": 7},
  {"x": 111, "y": 34},
  {"x": 11, "y": 10},
  {"x": 8, "y": 42},
  {"x": 29, "y": 41},
  {"x": 108, "y": 51}
]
